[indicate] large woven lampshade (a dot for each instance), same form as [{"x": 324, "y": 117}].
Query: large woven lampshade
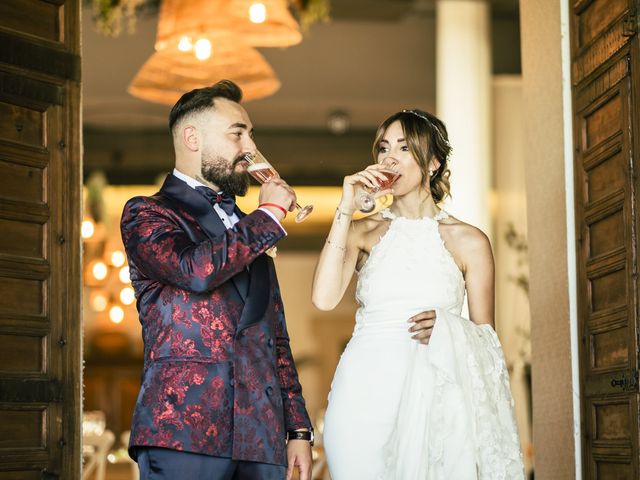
[
  {"x": 215, "y": 19},
  {"x": 166, "y": 76}
]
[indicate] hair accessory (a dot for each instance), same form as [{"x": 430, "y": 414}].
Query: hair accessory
[
  {"x": 429, "y": 122},
  {"x": 417, "y": 114}
]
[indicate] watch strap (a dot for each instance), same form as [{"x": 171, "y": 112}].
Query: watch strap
[{"x": 300, "y": 435}]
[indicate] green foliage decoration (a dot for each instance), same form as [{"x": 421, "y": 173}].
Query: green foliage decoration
[{"x": 112, "y": 17}]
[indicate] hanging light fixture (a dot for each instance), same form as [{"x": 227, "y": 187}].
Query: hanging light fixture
[
  {"x": 165, "y": 77},
  {"x": 258, "y": 12},
  {"x": 258, "y": 23}
]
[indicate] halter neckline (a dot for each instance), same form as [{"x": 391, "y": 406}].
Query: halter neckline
[{"x": 441, "y": 215}]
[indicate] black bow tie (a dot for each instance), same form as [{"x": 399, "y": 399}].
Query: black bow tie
[{"x": 226, "y": 202}]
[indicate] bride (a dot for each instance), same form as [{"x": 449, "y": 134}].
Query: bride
[{"x": 420, "y": 392}]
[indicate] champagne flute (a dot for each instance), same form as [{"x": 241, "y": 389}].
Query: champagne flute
[
  {"x": 262, "y": 171},
  {"x": 366, "y": 200}
]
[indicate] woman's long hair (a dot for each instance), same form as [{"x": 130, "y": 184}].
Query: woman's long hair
[{"x": 426, "y": 137}]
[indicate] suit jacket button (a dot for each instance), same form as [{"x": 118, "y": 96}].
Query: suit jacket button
[
  {"x": 232, "y": 382},
  {"x": 269, "y": 391},
  {"x": 270, "y": 342}
]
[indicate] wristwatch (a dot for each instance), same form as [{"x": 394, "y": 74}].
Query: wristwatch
[{"x": 301, "y": 435}]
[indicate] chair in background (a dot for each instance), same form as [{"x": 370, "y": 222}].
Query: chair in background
[{"x": 96, "y": 444}]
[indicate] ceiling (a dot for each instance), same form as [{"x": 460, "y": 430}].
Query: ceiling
[{"x": 373, "y": 58}]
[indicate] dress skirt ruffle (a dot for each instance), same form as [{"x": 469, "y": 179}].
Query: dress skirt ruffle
[{"x": 456, "y": 418}]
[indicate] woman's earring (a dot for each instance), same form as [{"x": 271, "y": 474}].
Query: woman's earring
[{"x": 431, "y": 173}]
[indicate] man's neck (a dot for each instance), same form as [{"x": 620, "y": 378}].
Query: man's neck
[
  {"x": 213, "y": 186},
  {"x": 195, "y": 180}
]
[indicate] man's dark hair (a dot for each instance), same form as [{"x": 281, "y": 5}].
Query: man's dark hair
[{"x": 203, "y": 98}]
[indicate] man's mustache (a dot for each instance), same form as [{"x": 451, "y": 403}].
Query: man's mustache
[{"x": 241, "y": 158}]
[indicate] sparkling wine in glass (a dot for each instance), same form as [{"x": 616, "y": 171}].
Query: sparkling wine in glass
[
  {"x": 366, "y": 200},
  {"x": 262, "y": 171}
]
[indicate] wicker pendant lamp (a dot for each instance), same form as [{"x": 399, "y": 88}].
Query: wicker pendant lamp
[
  {"x": 166, "y": 76},
  {"x": 259, "y": 23}
]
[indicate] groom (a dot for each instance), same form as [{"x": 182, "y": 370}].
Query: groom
[{"x": 220, "y": 397}]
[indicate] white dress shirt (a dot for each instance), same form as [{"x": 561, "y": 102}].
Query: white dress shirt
[{"x": 228, "y": 220}]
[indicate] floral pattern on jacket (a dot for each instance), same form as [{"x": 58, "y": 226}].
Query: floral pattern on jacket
[{"x": 219, "y": 376}]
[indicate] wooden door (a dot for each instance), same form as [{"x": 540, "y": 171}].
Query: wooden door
[
  {"x": 40, "y": 187},
  {"x": 605, "y": 73}
]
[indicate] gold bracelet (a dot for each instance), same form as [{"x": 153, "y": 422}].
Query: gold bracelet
[{"x": 344, "y": 249}]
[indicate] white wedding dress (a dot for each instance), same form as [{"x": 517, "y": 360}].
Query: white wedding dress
[{"x": 400, "y": 410}]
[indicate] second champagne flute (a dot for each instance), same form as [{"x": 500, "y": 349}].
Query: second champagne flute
[
  {"x": 366, "y": 198},
  {"x": 262, "y": 171}
]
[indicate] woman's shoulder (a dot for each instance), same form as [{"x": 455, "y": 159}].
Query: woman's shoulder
[
  {"x": 368, "y": 229},
  {"x": 369, "y": 224},
  {"x": 464, "y": 235}
]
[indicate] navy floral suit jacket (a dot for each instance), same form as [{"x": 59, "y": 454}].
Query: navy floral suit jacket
[{"x": 219, "y": 378}]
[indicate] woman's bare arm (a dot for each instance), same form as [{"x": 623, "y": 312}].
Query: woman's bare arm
[
  {"x": 337, "y": 262},
  {"x": 340, "y": 253},
  {"x": 479, "y": 275}
]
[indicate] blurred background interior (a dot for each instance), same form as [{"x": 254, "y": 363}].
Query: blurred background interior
[{"x": 316, "y": 96}]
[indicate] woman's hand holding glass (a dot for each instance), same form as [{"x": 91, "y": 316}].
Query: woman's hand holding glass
[{"x": 360, "y": 190}]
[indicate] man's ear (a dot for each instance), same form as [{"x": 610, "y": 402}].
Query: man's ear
[{"x": 190, "y": 138}]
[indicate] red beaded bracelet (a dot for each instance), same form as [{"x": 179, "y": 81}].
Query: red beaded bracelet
[{"x": 274, "y": 205}]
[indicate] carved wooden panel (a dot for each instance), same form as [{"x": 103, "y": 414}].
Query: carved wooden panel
[
  {"x": 610, "y": 348},
  {"x": 23, "y": 354},
  {"x": 607, "y": 468},
  {"x": 21, "y": 295},
  {"x": 611, "y": 421},
  {"x": 608, "y": 290},
  {"x": 26, "y": 238},
  {"x": 607, "y": 234},
  {"x": 34, "y": 17},
  {"x": 40, "y": 172},
  {"x": 604, "y": 71},
  {"x": 586, "y": 92},
  {"x": 603, "y": 122},
  {"x": 22, "y": 125},
  {"x": 23, "y": 428},
  {"x": 34, "y": 474},
  {"x": 599, "y": 31},
  {"x": 20, "y": 182},
  {"x": 605, "y": 176},
  {"x": 596, "y": 17}
]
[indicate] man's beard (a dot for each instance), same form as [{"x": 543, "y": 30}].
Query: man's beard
[{"x": 215, "y": 169}]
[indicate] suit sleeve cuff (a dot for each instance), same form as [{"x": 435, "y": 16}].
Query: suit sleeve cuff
[{"x": 265, "y": 210}]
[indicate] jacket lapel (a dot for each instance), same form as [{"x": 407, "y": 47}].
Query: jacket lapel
[
  {"x": 178, "y": 191},
  {"x": 259, "y": 288},
  {"x": 259, "y": 292}
]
